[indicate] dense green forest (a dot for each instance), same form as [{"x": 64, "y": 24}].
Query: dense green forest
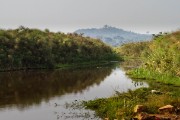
[{"x": 24, "y": 48}]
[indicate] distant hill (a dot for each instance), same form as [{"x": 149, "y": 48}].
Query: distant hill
[{"x": 114, "y": 36}]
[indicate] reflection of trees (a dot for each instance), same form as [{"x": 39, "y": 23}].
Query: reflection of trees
[
  {"x": 130, "y": 64},
  {"x": 24, "y": 88}
]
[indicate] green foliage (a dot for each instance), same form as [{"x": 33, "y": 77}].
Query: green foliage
[
  {"x": 164, "y": 54},
  {"x": 142, "y": 73},
  {"x": 161, "y": 59},
  {"x": 133, "y": 50},
  {"x": 119, "y": 106},
  {"x": 25, "y": 48}
]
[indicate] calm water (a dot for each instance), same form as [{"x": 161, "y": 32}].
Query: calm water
[{"x": 45, "y": 94}]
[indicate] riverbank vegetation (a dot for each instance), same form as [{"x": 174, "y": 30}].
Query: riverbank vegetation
[
  {"x": 160, "y": 58},
  {"x": 25, "y": 48},
  {"x": 160, "y": 67},
  {"x": 132, "y": 50},
  {"x": 121, "y": 106},
  {"x": 161, "y": 61}
]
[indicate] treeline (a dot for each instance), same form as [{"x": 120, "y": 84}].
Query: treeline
[{"x": 24, "y": 48}]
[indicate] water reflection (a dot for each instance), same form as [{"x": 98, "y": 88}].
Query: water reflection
[
  {"x": 130, "y": 64},
  {"x": 25, "y": 88},
  {"x": 43, "y": 94}
]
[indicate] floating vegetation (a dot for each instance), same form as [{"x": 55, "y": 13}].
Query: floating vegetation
[{"x": 77, "y": 111}]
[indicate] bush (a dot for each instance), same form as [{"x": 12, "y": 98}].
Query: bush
[{"x": 33, "y": 48}]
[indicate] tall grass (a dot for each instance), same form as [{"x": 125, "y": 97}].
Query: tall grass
[
  {"x": 161, "y": 59},
  {"x": 132, "y": 50},
  {"x": 141, "y": 73}
]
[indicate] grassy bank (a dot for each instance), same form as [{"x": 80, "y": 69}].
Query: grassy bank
[
  {"x": 122, "y": 104},
  {"x": 161, "y": 62},
  {"x": 25, "y": 48},
  {"x": 69, "y": 66},
  {"x": 85, "y": 64},
  {"x": 146, "y": 74},
  {"x": 132, "y": 50},
  {"x": 160, "y": 58}
]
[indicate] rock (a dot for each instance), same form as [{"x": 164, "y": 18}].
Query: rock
[
  {"x": 144, "y": 116},
  {"x": 163, "y": 117},
  {"x": 139, "y": 108},
  {"x": 155, "y": 92},
  {"x": 166, "y": 109},
  {"x": 177, "y": 110}
]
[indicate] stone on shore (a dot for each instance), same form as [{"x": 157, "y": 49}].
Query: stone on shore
[
  {"x": 166, "y": 109},
  {"x": 139, "y": 108}
]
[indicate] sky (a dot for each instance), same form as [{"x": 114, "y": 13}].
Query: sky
[{"x": 140, "y": 16}]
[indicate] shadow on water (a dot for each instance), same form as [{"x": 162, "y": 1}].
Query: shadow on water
[{"x": 26, "y": 88}]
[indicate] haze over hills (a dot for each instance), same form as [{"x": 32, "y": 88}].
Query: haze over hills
[{"x": 114, "y": 36}]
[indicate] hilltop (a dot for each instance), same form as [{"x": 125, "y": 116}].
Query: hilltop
[{"x": 114, "y": 36}]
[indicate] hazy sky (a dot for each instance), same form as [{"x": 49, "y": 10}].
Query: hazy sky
[{"x": 69, "y": 15}]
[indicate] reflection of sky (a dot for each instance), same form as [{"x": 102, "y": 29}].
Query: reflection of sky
[{"x": 117, "y": 80}]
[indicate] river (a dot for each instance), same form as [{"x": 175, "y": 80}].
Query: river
[{"x": 48, "y": 94}]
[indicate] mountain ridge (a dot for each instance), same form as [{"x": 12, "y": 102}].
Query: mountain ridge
[{"x": 114, "y": 36}]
